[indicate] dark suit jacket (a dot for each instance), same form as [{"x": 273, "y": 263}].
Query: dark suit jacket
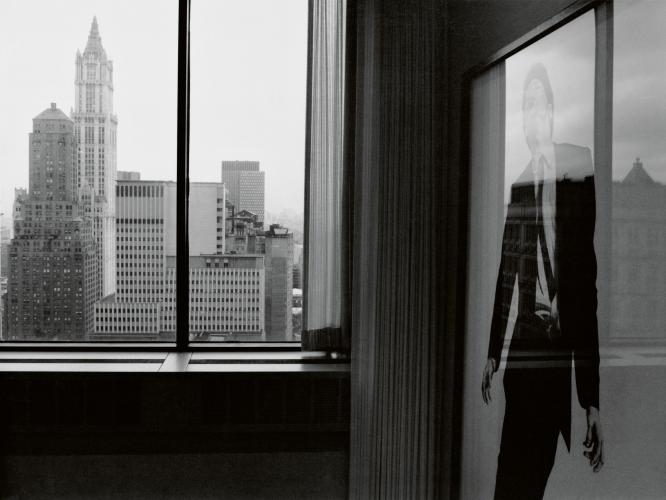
[{"x": 538, "y": 365}]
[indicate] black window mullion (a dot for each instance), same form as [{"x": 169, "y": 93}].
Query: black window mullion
[
  {"x": 182, "y": 187},
  {"x": 306, "y": 202}
]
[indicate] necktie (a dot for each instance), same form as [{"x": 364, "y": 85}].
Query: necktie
[{"x": 550, "y": 278}]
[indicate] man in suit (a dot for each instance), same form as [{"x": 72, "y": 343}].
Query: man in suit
[{"x": 548, "y": 246}]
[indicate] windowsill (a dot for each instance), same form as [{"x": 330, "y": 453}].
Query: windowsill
[
  {"x": 169, "y": 362},
  {"x": 59, "y": 346}
]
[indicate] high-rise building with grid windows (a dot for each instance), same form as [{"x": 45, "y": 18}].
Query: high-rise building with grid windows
[
  {"x": 246, "y": 185},
  {"x": 52, "y": 282},
  {"x": 227, "y": 292},
  {"x": 95, "y": 127}
]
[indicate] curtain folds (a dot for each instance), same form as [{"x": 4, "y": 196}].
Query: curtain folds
[
  {"x": 399, "y": 314},
  {"x": 325, "y": 237}
]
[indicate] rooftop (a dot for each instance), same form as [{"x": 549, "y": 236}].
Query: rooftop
[
  {"x": 52, "y": 113},
  {"x": 638, "y": 175}
]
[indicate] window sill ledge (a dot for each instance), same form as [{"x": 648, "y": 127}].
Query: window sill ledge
[{"x": 170, "y": 362}]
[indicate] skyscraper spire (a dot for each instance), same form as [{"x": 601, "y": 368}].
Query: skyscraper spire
[
  {"x": 95, "y": 128},
  {"x": 94, "y": 40},
  {"x": 94, "y": 29}
]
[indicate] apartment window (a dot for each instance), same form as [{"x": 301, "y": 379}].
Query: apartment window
[{"x": 565, "y": 298}]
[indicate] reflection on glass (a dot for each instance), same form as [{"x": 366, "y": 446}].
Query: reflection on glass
[
  {"x": 84, "y": 242},
  {"x": 561, "y": 307},
  {"x": 246, "y": 215},
  {"x": 638, "y": 285}
]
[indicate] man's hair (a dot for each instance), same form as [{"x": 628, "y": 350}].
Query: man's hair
[{"x": 538, "y": 72}]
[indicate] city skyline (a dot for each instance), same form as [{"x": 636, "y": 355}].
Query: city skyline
[
  {"x": 144, "y": 84},
  {"x": 93, "y": 251}
]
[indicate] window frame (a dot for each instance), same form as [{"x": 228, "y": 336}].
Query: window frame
[
  {"x": 603, "y": 101},
  {"x": 182, "y": 342}
]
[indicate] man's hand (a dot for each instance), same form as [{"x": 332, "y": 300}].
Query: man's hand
[
  {"x": 488, "y": 372},
  {"x": 594, "y": 439}
]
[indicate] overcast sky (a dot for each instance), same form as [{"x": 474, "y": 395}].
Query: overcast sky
[
  {"x": 639, "y": 100},
  {"x": 248, "y": 80},
  {"x": 639, "y": 88}
]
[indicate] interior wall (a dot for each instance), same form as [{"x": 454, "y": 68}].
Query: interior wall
[
  {"x": 180, "y": 435},
  {"x": 234, "y": 476}
]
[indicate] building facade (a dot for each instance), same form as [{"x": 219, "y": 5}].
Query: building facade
[
  {"x": 144, "y": 305},
  {"x": 52, "y": 282},
  {"x": 4, "y": 253},
  {"x": 279, "y": 252},
  {"x": 226, "y": 296},
  {"x": 146, "y": 235},
  {"x": 638, "y": 281},
  {"x": 246, "y": 185},
  {"x": 128, "y": 176},
  {"x": 95, "y": 128},
  {"x": 277, "y": 246},
  {"x": 207, "y": 212}
]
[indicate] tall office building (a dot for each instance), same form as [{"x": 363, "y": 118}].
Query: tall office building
[
  {"x": 207, "y": 214},
  {"x": 52, "y": 280},
  {"x": 246, "y": 184},
  {"x": 5, "y": 237},
  {"x": 277, "y": 246},
  {"x": 638, "y": 256},
  {"x": 4, "y": 271},
  {"x": 144, "y": 306},
  {"x": 226, "y": 296},
  {"x": 145, "y": 229},
  {"x": 279, "y": 252},
  {"x": 95, "y": 128}
]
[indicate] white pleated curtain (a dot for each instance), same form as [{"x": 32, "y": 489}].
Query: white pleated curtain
[{"x": 325, "y": 232}]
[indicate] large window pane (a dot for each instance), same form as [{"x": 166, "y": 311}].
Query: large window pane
[
  {"x": 639, "y": 172},
  {"x": 88, "y": 226},
  {"x": 565, "y": 334},
  {"x": 247, "y": 154}
]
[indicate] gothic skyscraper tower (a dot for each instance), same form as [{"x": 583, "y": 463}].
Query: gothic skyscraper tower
[{"x": 95, "y": 133}]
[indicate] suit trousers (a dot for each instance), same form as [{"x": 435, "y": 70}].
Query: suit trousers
[{"x": 536, "y": 408}]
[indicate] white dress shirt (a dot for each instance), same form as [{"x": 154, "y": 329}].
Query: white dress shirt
[{"x": 545, "y": 170}]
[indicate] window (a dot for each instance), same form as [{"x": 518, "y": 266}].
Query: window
[
  {"x": 61, "y": 269},
  {"x": 565, "y": 296},
  {"x": 248, "y": 94},
  {"x": 119, "y": 242}
]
